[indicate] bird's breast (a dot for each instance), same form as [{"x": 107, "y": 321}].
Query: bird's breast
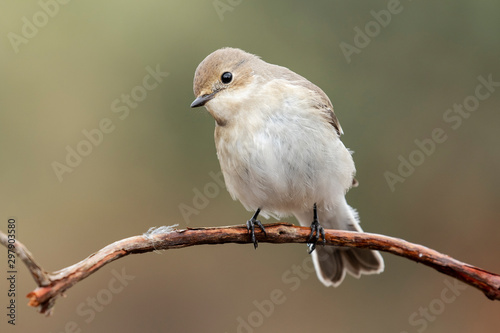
[{"x": 282, "y": 161}]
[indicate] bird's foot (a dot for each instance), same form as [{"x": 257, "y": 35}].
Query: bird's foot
[
  {"x": 317, "y": 232},
  {"x": 251, "y": 227}
]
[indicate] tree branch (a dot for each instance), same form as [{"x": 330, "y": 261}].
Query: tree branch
[{"x": 52, "y": 285}]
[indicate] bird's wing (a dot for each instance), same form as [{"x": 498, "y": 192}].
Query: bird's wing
[
  {"x": 323, "y": 104},
  {"x": 329, "y": 115},
  {"x": 321, "y": 100}
]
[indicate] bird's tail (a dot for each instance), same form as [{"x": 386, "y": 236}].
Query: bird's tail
[{"x": 332, "y": 262}]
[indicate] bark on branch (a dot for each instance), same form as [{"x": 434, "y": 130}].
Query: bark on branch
[{"x": 52, "y": 285}]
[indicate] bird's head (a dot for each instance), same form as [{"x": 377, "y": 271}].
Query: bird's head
[{"x": 222, "y": 82}]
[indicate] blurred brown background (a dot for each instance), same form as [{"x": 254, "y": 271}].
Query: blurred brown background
[{"x": 66, "y": 67}]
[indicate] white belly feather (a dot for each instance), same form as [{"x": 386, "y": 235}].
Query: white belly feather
[{"x": 270, "y": 163}]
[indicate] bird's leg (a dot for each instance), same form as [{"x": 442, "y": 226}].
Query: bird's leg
[
  {"x": 251, "y": 227},
  {"x": 317, "y": 229}
]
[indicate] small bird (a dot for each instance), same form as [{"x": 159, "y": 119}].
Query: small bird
[{"x": 279, "y": 148}]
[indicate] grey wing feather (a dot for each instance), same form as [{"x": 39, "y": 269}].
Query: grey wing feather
[{"x": 325, "y": 106}]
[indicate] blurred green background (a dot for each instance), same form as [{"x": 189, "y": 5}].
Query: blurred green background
[{"x": 84, "y": 56}]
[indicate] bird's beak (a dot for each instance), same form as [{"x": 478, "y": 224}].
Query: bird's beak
[{"x": 201, "y": 100}]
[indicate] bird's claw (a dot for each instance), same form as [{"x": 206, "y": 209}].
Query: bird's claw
[
  {"x": 317, "y": 232},
  {"x": 251, "y": 229}
]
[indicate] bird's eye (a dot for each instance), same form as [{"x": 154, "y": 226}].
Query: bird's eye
[{"x": 226, "y": 77}]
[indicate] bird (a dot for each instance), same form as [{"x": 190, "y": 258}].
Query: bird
[{"x": 278, "y": 144}]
